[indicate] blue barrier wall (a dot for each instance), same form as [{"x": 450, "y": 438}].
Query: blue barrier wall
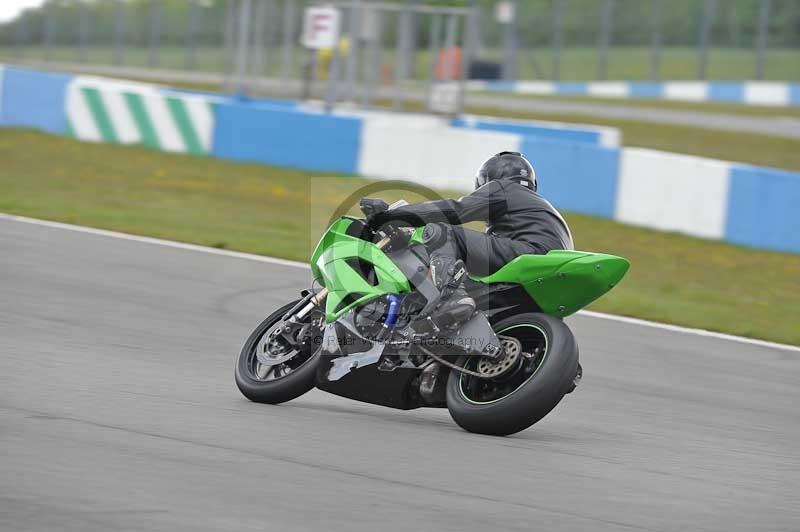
[
  {"x": 521, "y": 128},
  {"x": 726, "y": 92},
  {"x": 34, "y": 99},
  {"x": 794, "y": 94},
  {"x": 764, "y": 208},
  {"x": 760, "y": 208},
  {"x": 574, "y": 176},
  {"x": 284, "y": 137},
  {"x": 646, "y": 90}
]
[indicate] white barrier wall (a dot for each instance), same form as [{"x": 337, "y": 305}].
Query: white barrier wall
[
  {"x": 123, "y": 112},
  {"x": 426, "y": 150},
  {"x": 608, "y": 137},
  {"x": 673, "y": 192}
]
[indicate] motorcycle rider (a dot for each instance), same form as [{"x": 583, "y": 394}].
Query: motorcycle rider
[{"x": 518, "y": 219}]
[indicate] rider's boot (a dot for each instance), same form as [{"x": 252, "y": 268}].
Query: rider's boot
[{"x": 455, "y": 305}]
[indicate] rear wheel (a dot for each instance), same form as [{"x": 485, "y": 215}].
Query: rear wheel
[
  {"x": 269, "y": 369},
  {"x": 539, "y": 366}
]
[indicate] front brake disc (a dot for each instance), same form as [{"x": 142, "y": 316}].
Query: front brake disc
[{"x": 269, "y": 351}]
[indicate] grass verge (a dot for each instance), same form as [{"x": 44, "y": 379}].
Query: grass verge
[
  {"x": 279, "y": 212},
  {"x": 576, "y": 64}
]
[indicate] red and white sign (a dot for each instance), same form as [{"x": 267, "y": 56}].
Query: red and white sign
[{"x": 320, "y": 27}]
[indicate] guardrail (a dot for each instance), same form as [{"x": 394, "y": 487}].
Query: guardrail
[
  {"x": 744, "y": 92},
  {"x": 721, "y": 200}
]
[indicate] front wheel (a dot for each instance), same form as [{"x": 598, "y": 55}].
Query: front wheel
[
  {"x": 538, "y": 368},
  {"x": 270, "y": 372}
]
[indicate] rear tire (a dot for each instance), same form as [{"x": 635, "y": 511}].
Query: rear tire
[
  {"x": 278, "y": 390},
  {"x": 534, "y": 398}
]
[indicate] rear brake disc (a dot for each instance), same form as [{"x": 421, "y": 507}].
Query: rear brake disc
[{"x": 512, "y": 352}]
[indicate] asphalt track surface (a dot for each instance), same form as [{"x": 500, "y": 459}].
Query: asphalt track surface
[
  {"x": 118, "y": 411},
  {"x": 781, "y": 126}
]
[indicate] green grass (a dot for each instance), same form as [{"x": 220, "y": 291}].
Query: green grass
[
  {"x": 247, "y": 207},
  {"x": 633, "y": 63},
  {"x": 577, "y": 64}
]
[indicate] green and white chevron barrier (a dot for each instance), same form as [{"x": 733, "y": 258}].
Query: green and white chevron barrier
[{"x": 120, "y": 112}]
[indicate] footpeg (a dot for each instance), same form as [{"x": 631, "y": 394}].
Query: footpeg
[{"x": 389, "y": 363}]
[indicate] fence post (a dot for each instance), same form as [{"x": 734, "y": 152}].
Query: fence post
[
  {"x": 352, "y": 57},
  {"x": 229, "y": 44},
  {"x": 762, "y": 38},
  {"x": 705, "y": 38},
  {"x": 261, "y": 12},
  {"x": 558, "y": 36},
  {"x": 655, "y": 40},
  {"x": 20, "y": 37},
  {"x": 190, "y": 60},
  {"x": 289, "y": 17},
  {"x": 470, "y": 42},
  {"x": 243, "y": 41},
  {"x": 334, "y": 73},
  {"x": 436, "y": 31},
  {"x": 49, "y": 30},
  {"x": 375, "y": 54},
  {"x": 120, "y": 29},
  {"x": 402, "y": 52},
  {"x": 606, "y": 22},
  {"x": 155, "y": 34},
  {"x": 476, "y": 21},
  {"x": 449, "y": 42},
  {"x": 510, "y": 44},
  {"x": 82, "y": 33}
]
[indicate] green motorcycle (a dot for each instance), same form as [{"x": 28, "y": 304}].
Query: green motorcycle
[{"x": 361, "y": 335}]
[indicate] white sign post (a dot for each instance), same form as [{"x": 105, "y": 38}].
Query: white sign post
[{"x": 320, "y": 27}]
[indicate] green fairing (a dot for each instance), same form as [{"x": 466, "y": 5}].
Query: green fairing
[
  {"x": 336, "y": 232},
  {"x": 347, "y": 288},
  {"x": 562, "y": 282}
]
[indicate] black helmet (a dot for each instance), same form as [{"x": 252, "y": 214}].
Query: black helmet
[{"x": 507, "y": 165}]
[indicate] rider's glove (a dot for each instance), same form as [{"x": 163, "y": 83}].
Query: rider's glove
[{"x": 372, "y": 208}]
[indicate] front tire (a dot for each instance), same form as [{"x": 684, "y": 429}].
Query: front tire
[
  {"x": 513, "y": 402},
  {"x": 288, "y": 381}
]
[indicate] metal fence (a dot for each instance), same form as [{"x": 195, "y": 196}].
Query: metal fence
[
  {"x": 647, "y": 39},
  {"x": 393, "y": 47}
]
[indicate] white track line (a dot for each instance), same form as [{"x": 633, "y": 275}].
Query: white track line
[
  {"x": 157, "y": 241},
  {"x": 295, "y": 264}
]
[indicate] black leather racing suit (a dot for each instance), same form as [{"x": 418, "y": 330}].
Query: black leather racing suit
[{"x": 518, "y": 221}]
